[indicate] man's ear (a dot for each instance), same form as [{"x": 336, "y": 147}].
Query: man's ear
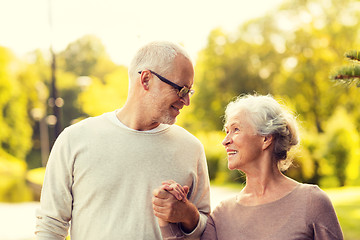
[
  {"x": 267, "y": 141},
  {"x": 145, "y": 77}
]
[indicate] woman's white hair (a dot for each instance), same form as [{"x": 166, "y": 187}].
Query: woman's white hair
[
  {"x": 157, "y": 56},
  {"x": 268, "y": 117}
]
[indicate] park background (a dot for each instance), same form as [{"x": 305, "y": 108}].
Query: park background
[{"x": 288, "y": 48}]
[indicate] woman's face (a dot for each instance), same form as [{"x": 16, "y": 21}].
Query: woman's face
[{"x": 242, "y": 144}]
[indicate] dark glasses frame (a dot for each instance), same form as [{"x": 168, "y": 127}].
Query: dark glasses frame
[{"x": 181, "y": 91}]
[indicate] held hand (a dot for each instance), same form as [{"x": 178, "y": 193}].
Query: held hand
[
  {"x": 169, "y": 202},
  {"x": 176, "y": 189},
  {"x": 171, "y": 205}
]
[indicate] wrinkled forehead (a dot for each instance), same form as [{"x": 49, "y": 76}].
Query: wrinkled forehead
[
  {"x": 236, "y": 114},
  {"x": 239, "y": 119},
  {"x": 239, "y": 114}
]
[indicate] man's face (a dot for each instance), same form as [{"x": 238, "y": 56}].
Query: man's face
[{"x": 164, "y": 100}]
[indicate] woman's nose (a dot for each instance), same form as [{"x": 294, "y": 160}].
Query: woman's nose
[{"x": 226, "y": 141}]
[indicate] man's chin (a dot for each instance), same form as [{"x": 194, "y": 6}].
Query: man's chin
[{"x": 169, "y": 120}]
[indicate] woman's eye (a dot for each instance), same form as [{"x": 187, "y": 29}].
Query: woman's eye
[{"x": 236, "y": 129}]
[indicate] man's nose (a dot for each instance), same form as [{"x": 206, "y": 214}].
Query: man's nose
[{"x": 186, "y": 100}]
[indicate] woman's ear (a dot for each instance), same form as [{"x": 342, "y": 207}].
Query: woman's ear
[{"x": 267, "y": 141}]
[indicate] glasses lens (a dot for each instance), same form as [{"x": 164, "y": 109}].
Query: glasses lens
[{"x": 184, "y": 91}]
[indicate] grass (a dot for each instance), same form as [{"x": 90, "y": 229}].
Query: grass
[{"x": 346, "y": 201}]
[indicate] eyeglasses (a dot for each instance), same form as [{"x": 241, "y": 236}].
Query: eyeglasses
[{"x": 182, "y": 91}]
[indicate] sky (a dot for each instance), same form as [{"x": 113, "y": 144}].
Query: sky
[{"x": 122, "y": 26}]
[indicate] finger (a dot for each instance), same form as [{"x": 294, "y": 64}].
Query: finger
[
  {"x": 186, "y": 189},
  {"x": 176, "y": 194},
  {"x": 176, "y": 191},
  {"x": 161, "y": 193},
  {"x": 167, "y": 187},
  {"x": 183, "y": 191},
  {"x": 160, "y": 211},
  {"x": 168, "y": 182},
  {"x": 160, "y": 216},
  {"x": 159, "y": 203},
  {"x": 177, "y": 187},
  {"x": 158, "y": 190}
]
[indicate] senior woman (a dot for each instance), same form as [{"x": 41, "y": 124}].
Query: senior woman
[{"x": 259, "y": 134}]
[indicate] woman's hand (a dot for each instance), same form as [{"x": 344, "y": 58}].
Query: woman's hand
[{"x": 178, "y": 191}]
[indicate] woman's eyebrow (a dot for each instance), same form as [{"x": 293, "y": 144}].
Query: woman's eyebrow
[{"x": 232, "y": 124}]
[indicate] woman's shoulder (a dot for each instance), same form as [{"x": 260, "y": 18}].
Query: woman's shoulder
[
  {"x": 312, "y": 190},
  {"x": 227, "y": 205},
  {"x": 317, "y": 200}
]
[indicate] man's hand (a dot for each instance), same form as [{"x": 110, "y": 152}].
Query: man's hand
[{"x": 171, "y": 205}]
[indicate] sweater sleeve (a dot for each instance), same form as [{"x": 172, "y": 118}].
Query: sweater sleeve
[
  {"x": 200, "y": 196},
  {"x": 210, "y": 230},
  {"x": 323, "y": 217},
  {"x": 54, "y": 213},
  {"x": 171, "y": 232}
]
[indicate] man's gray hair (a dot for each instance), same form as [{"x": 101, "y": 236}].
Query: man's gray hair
[
  {"x": 157, "y": 56},
  {"x": 268, "y": 117}
]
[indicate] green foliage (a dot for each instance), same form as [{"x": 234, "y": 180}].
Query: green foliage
[
  {"x": 83, "y": 60},
  {"x": 36, "y": 175},
  {"x": 214, "y": 150},
  {"x": 346, "y": 201},
  {"x": 80, "y": 65},
  {"x": 222, "y": 73},
  {"x": 13, "y": 186},
  {"x": 349, "y": 74},
  {"x": 306, "y": 158},
  {"x": 342, "y": 147},
  {"x": 15, "y": 97},
  {"x": 69, "y": 90},
  {"x": 35, "y": 179},
  {"x": 82, "y": 56},
  {"x": 35, "y": 77},
  {"x": 287, "y": 53},
  {"x": 105, "y": 95}
]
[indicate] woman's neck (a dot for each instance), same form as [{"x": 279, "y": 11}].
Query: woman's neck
[{"x": 265, "y": 185}]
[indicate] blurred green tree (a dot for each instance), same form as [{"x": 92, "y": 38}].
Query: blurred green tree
[
  {"x": 341, "y": 147},
  {"x": 349, "y": 74},
  {"x": 16, "y": 95},
  {"x": 78, "y": 65},
  {"x": 82, "y": 60},
  {"x": 287, "y": 53},
  {"x": 86, "y": 56},
  {"x": 105, "y": 95}
]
